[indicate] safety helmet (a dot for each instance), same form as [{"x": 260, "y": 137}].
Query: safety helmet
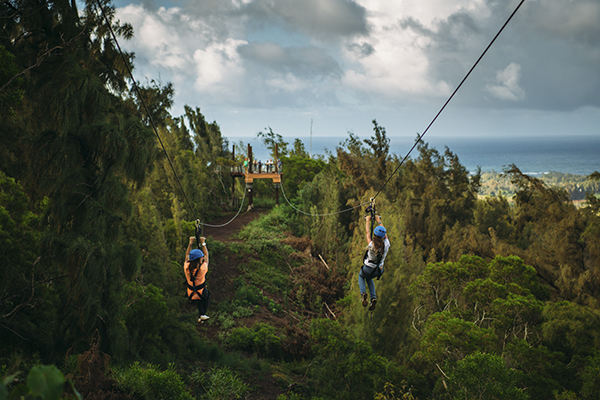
[
  {"x": 379, "y": 231},
  {"x": 196, "y": 253}
]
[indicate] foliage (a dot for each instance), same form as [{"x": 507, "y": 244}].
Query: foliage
[
  {"x": 390, "y": 393},
  {"x": 298, "y": 170},
  {"x": 44, "y": 382},
  {"x": 380, "y": 145},
  {"x": 273, "y": 140},
  {"x": 151, "y": 383},
  {"x": 438, "y": 195},
  {"x": 349, "y": 367},
  {"x": 260, "y": 339},
  {"x": 221, "y": 384},
  {"x": 482, "y": 375},
  {"x": 145, "y": 314}
]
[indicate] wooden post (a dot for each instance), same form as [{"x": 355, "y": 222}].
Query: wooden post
[
  {"x": 249, "y": 187},
  {"x": 276, "y": 169},
  {"x": 275, "y": 161},
  {"x": 249, "y": 159},
  {"x": 233, "y": 180}
]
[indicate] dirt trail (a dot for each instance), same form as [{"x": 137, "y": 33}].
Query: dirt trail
[
  {"x": 225, "y": 233},
  {"x": 223, "y": 270}
]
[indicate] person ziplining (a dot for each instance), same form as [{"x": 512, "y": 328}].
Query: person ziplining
[
  {"x": 377, "y": 249},
  {"x": 195, "y": 268}
]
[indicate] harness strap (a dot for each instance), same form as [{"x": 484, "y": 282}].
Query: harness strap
[
  {"x": 196, "y": 288},
  {"x": 193, "y": 286}
]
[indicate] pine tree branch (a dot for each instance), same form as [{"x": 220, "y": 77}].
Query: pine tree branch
[
  {"x": 23, "y": 304},
  {"x": 40, "y": 59}
]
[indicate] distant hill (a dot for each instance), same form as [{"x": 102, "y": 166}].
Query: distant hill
[{"x": 495, "y": 183}]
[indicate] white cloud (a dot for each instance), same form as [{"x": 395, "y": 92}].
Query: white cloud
[
  {"x": 397, "y": 64},
  {"x": 507, "y": 84},
  {"x": 154, "y": 36},
  {"x": 427, "y": 12},
  {"x": 274, "y": 54},
  {"x": 219, "y": 69}
]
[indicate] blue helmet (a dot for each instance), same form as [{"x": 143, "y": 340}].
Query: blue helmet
[
  {"x": 379, "y": 231},
  {"x": 195, "y": 254}
]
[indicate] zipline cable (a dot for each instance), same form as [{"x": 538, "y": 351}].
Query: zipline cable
[
  {"x": 426, "y": 129},
  {"x": 231, "y": 220},
  {"x": 318, "y": 215},
  {"x": 450, "y": 98},
  {"x": 135, "y": 85},
  {"x": 198, "y": 223},
  {"x": 282, "y": 189}
]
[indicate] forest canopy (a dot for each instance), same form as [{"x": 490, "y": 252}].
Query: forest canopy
[{"x": 490, "y": 289}]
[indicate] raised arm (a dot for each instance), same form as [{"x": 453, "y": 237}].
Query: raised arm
[
  {"x": 189, "y": 248},
  {"x": 368, "y": 229},
  {"x": 378, "y": 220},
  {"x": 204, "y": 249}
]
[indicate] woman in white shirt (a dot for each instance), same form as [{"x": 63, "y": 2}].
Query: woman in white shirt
[{"x": 377, "y": 248}]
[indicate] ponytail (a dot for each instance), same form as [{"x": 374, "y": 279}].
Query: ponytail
[
  {"x": 194, "y": 265},
  {"x": 378, "y": 244}
]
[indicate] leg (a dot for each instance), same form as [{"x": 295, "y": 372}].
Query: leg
[
  {"x": 203, "y": 308},
  {"x": 373, "y": 294},
  {"x": 363, "y": 289},
  {"x": 361, "y": 283},
  {"x": 371, "y": 288},
  {"x": 205, "y": 303},
  {"x": 198, "y": 304}
]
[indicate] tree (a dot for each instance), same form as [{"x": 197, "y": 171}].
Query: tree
[
  {"x": 299, "y": 149},
  {"x": 83, "y": 147},
  {"x": 353, "y": 160},
  {"x": 380, "y": 145},
  {"x": 271, "y": 140},
  {"x": 482, "y": 375},
  {"x": 494, "y": 213},
  {"x": 438, "y": 195}
]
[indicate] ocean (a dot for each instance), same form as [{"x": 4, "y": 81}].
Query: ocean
[{"x": 578, "y": 155}]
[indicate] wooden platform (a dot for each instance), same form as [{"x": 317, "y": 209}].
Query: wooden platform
[{"x": 249, "y": 178}]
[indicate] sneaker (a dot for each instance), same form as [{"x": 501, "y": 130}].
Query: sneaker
[
  {"x": 373, "y": 304},
  {"x": 365, "y": 302},
  {"x": 204, "y": 317}
]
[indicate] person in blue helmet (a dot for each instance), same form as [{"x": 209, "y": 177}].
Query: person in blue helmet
[
  {"x": 377, "y": 249},
  {"x": 195, "y": 269}
]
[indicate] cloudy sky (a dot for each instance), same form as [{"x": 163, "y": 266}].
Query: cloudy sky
[{"x": 252, "y": 64}]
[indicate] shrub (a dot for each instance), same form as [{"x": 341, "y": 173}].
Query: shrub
[
  {"x": 261, "y": 339},
  {"x": 44, "y": 382},
  {"x": 481, "y": 375},
  {"x": 150, "y": 383},
  {"x": 221, "y": 384}
]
